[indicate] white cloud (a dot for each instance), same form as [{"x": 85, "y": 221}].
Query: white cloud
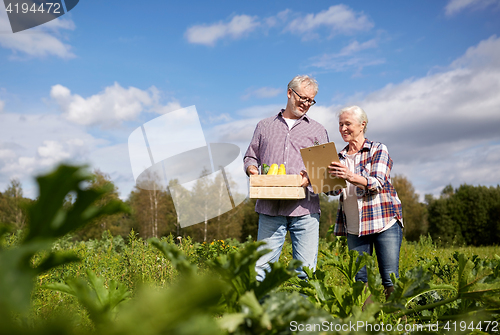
[
  {"x": 339, "y": 19},
  {"x": 239, "y": 132},
  {"x": 238, "y": 27},
  {"x": 261, "y": 111},
  {"x": 346, "y": 59},
  {"x": 33, "y": 144},
  {"x": 169, "y": 107},
  {"x": 355, "y": 46},
  {"x": 459, "y": 103},
  {"x": 110, "y": 107},
  {"x": 7, "y": 154},
  {"x": 2, "y": 105},
  {"x": 484, "y": 55},
  {"x": 455, "y": 6},
  {"x": 45, "y": 157},
  {"x": 41, "y": 41},
  {"x": 114, "y": 160},
  {"x": 262, "y": 92},
  {"x": 278, "y": 19},
  {"x": 224, "y": 117},
  {"x": 340, "y": 64},
  {"x": 439, "y": 127}
]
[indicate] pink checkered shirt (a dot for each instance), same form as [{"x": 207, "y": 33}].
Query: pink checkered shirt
[
  {"x": 380, "y": 200},
  {"x": 274, "y": 142}
]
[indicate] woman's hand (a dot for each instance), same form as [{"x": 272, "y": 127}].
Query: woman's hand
[{"x": 339, "y": 170}]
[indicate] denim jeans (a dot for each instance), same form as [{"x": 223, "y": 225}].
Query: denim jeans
[
  {"x": 387, "y": 245},
  {"x": 304, "y": 232}
]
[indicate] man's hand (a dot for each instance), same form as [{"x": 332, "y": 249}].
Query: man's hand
[
  {"x": 252, "y": 169},
  {"x": 305, "y": 179}
]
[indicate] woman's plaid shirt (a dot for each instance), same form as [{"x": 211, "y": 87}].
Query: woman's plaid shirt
[{"x": 380, "y": 202}]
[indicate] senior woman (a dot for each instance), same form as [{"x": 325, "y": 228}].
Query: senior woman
[{"x": 369, "y": 213}]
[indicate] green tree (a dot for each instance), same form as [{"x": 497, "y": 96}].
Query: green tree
[
  {"x": 442, "y": 228},
  {"x": 13, "y": 204},
  {"x": 209, "y": 204},
  {"x": 472, "y": 208},
  {"x": 414, "y": 212},
  {"x": 153, "y": 212},
  {"x": 117, "y": 224},
  {"x": 466, "y": 215}
]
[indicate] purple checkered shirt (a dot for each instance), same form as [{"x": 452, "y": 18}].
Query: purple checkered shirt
[
  {"x": 273, "y": 142},
  {"x": 380, "y": 200}
]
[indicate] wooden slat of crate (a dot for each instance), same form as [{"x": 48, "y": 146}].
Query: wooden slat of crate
[
  {"x": 276, "y": 180},
  {"x": 276, "y": 187},
  {"x": 277, "y": 192}
]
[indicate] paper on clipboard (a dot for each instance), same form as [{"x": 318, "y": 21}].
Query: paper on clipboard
[{"x": 316, "y": 160}]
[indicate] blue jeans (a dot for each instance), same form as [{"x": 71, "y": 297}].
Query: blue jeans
[
  {"x": 387, "y": 245},
  {"x": 304, "y": 232}
]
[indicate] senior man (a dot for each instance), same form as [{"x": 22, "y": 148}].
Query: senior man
[{"x": 278, "y": 139}]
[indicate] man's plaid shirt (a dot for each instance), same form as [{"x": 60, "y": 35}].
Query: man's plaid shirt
[{"x": 380, "y": 202}]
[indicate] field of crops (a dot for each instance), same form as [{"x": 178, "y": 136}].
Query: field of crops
[
  {"x": 51, "y": 285},
  {"x": 137, "y": 270}
]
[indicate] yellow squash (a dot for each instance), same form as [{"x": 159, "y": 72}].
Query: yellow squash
[
  {"x": 273, "y": 169},
  {"x": 281, "y": 169}
]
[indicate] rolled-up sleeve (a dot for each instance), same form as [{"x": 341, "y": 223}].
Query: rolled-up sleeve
[{"x": 381, "y": 165}]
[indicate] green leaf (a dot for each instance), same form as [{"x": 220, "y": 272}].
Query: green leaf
[
  {"x": 238, "y": 270},
  {"x": 279, "y": 274},
  {"x": 16, "y": 276},
  {"x": 185, "y": 307},
  {"x": 350, "y": 265},
  {"x": 265, "y": 168},
  {"x": 176, "y": 256},
  {"x": 231, "y": 322},
  {"x": 99, "y": 300},
  {"x": 56, "y": 259},
  {"x": 374, "y": 280}
]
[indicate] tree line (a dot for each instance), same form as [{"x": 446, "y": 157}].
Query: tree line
[{"x": 468, "y": 215}]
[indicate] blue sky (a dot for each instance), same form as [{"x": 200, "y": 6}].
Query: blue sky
[{"x": 426, "y": 72}]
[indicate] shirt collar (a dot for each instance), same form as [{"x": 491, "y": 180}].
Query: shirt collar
[
  {"x": 366, "y": 146},
  {"x": 305, "y": 117}
]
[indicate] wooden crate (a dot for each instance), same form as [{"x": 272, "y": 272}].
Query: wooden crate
[{"x": 276, "y": 187}]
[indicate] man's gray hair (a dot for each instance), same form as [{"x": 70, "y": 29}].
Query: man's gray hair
[
  {"x": 298, "y": 80},
  {"x": 358, "y": 113}
]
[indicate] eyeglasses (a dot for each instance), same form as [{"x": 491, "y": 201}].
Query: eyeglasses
[{"x": 304, "y": 100}]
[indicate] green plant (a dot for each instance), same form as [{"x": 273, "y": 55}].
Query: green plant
[
  {"x": 99, "y": 300},
  {"x": 48, "y": 220}
]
